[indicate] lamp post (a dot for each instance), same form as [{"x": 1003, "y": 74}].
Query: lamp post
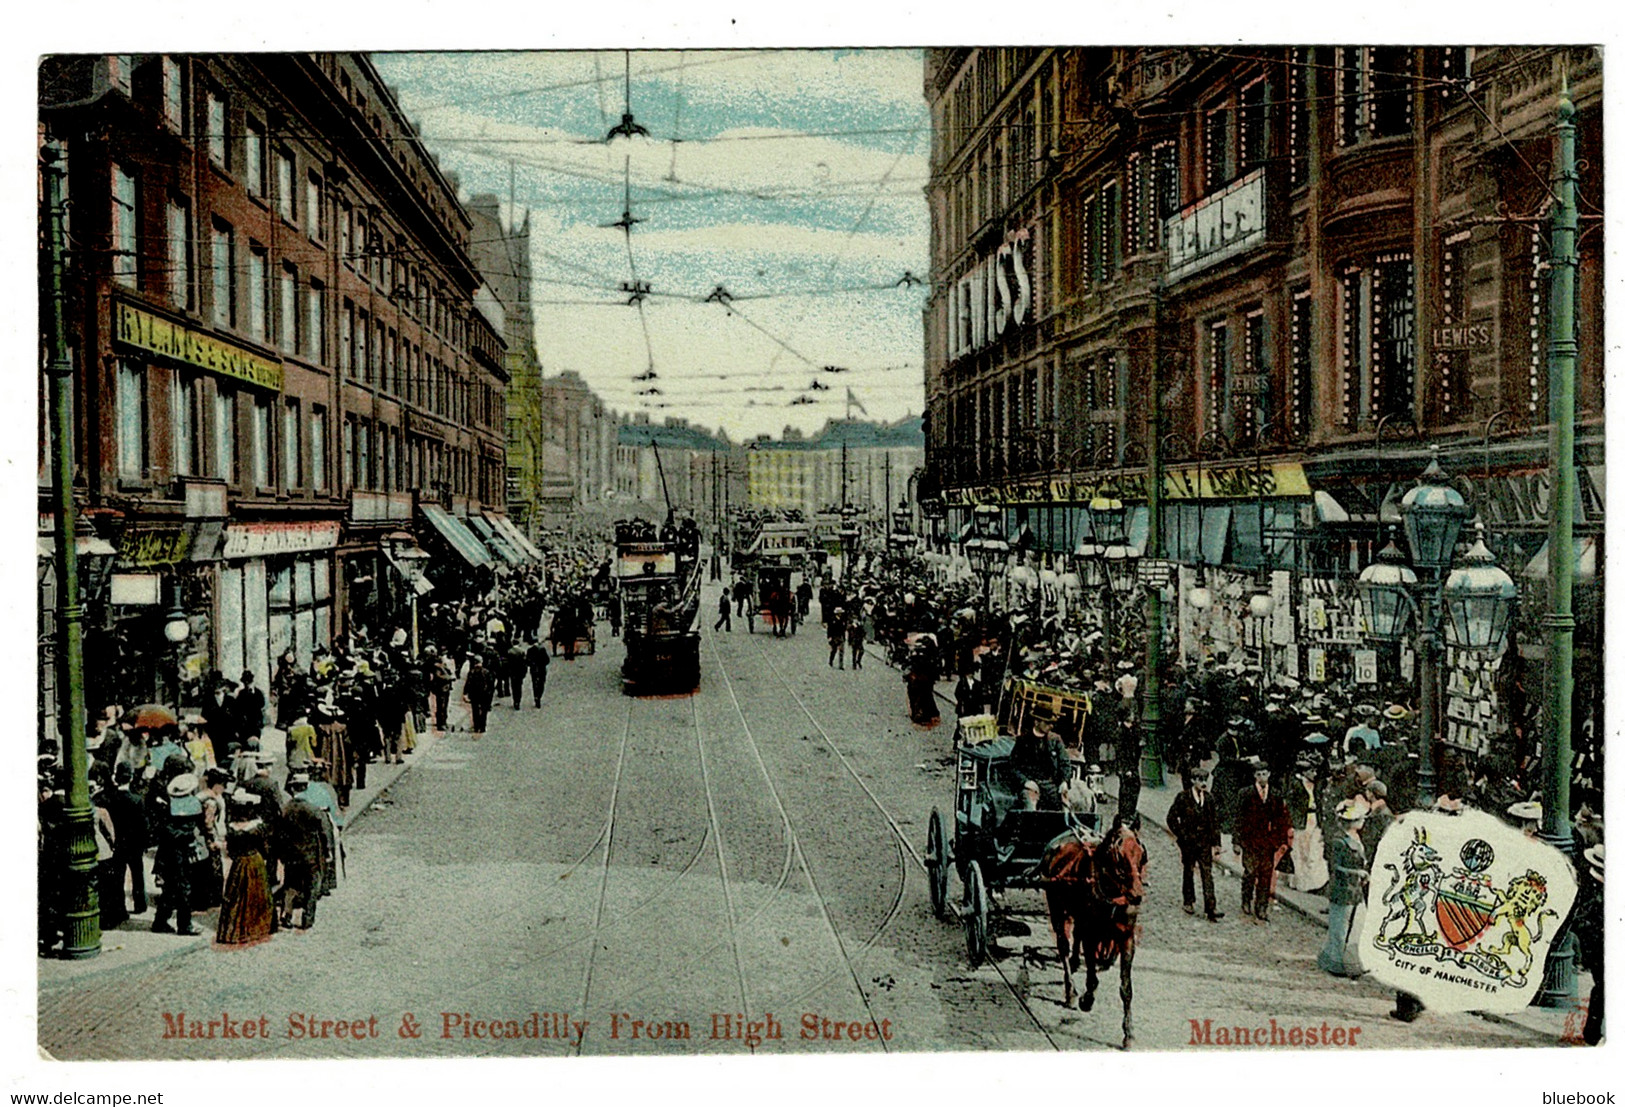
[
  {"x": 986, "y": 548},
  {"x": 1471, "y": 607},
  {"x": 81, "y": 910}
]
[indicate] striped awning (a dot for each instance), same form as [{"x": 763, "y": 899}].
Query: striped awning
[
  {"x": 459, "y": 537},
  {"x": 497, "y": 542},
  {"x": 516, "y": 537}
]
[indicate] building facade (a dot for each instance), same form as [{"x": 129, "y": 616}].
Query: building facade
[
  {"x": 270, "y": 301},
  {"x": 1287, "y": 271}
]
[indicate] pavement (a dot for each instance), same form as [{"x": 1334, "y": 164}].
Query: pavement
[{"x": 134, "y": 943}]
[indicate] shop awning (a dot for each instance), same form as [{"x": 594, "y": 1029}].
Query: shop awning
[
  {"x": 459, "y": 537},
  {"x": 1585, "y": 561},
  {"x": 516, "y": 537},
  {"x": 497, "y": 542}
]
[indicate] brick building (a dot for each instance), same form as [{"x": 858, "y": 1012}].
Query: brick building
[
  {"x": 1320, "y": 260},
  {"x": 280, "y": 372}
]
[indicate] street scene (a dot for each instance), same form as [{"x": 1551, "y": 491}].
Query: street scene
[{"x": 794, "y": 552}]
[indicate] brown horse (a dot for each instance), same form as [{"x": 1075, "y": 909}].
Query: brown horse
[{"x": 1093, "y": 890}]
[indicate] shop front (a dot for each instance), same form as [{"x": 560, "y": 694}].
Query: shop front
[{"x": 275, "y": 594}]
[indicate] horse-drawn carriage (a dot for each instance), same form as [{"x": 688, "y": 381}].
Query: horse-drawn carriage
[
  {"x": 997, "y": 844},
  {"x": 1001, "y": 841}
]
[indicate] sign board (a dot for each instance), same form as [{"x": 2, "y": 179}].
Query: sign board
[
  {"x": 644, "y": 561},
  {"x": 1365, "y": 666},
  {"x": 1216, "y": 227},
  {"x": 135, "y": 589},
  {"x": 149, "y": 549},
  {"x": 1463, "y": 910},
  {"x": 995, "y": 296},
  {"x": 146, "y": 331},
  {"x": 271, "y": 539}
]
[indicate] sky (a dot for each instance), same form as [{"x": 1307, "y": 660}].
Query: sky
[{"x": 792, "y": 180}]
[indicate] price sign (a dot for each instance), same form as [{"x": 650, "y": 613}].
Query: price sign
[{"x": 1365, "y": 666}]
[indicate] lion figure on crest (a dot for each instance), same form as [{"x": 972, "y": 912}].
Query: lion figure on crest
[{"x": 1524, "y": 898}]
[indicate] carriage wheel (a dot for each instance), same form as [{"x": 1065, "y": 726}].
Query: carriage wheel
[
  {"x": 975, "y": 914},
  {"x": 936, "y": 866}
]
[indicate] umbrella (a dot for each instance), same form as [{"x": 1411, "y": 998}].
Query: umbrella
[{"x": 149, "y": 716}]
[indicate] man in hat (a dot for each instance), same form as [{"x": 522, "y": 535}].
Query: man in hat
[
  {"x": 478, "y": 688},
  {"x": 1264, "y": 834},
  {"x": 130, "y": 836},
  {"x": 1193, "y": 819},
  {"x": 536, "y": 657},
  {"x": 1040, "y": 756},
  {"x": 301, "y": 834},
  {"x": 248, "y": 706},
  {"x": 179, "y": 835},
  {"x": 517, "y": 662}
]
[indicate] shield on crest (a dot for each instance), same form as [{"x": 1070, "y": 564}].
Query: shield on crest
[{"x": 1461, "y": 917}]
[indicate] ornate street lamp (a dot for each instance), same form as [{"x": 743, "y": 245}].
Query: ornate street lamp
[
  {"x": 1122, "y": 567},
  {"x": 1479, "y": 598},
  {"x": 176, "y": 628},
  {"x": 1433, "y": 513},
  {"x": 1385, "y": 592}
]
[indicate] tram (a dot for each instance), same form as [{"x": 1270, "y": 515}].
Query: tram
[
  {"x": 657, "y": 574},
  {"x": 774, "y": 561}
]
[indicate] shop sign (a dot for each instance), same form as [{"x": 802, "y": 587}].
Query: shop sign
[
  {"x": 993, "y": 297},
  {"x": 1525, "y": 498},
  {"x": 1216, "y": 227},
  {"x": 1365, "y": 666},
  {"x": 146, "y": 331},
  {"x": 134, "y": 589},
  {"x": 1457, "y": 336},
  {"x": 150, "y": 549},
  {"x": 271, "y": 539}
]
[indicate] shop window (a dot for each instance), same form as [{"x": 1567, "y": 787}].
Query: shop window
[{"x": 290, "y": 445}]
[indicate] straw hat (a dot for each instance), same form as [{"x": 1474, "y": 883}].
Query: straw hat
[
  {"x": 1594, "y": 858},
  {"x": 1528, "y": 810},
  {"x": 1353, "y": 810}
]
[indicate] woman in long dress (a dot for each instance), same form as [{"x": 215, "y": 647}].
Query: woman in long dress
[
  {"x": 1345, "y": 895},
  {"x": 246, "y": 916}
]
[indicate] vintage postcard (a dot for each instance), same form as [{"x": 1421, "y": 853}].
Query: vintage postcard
[{"x": 821, "y": 553}]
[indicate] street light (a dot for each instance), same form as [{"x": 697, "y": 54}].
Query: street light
[
  {"x": 1472, "y": 607},
  {"x": 176, "y": 628},
  {"x": 986, "y": 548}
]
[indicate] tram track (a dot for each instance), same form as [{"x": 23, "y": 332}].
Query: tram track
[{"x": 904, "y": 846}]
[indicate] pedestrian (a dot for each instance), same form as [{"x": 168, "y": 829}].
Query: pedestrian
[
  {"x": 109, "y": 874},
  {"x": 129, "y": 837},
  {"x": 517, "y": 663},
  {"x": 920, "y": 677},
  {"x": 246, "y": 914},
  {"x": 741, "y": 594},
  {"x": 179, "y": 834},
  {"x": 301, "y": 837},
  {"x": 724, "y": 613},
  {"x": 1309, "y": 848},
  {"x": 1193, "y": 819},
  {"x": 835, "y": 628},
  {"x": 1264, "y": 833},
  {"x": 1345, "y": 895},
  {"x": 249, "y": 708},
  {"x": 478, "y": 689},
  {"x": 854, "y": 638},
  {"x": 1362, "y": 737},
  {"x": 441, "y": 676},
  {"x": 209, "y": 873},
  {"x": 333, "y": 749},
  {"x": 537, "y": 658},
  {"x": 1379, "y": 816}
]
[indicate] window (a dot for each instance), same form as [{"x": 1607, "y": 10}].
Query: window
[
  {"x": 174, "y": 93},
  {"x": 1254, "y": 138},
  {"x": 1088, "y": 256},
  {"x": 260, "y": 442},
  {"x": 1373, "y": 91},
  {"x": 1297, "y": 133},
  {"x": 363, "y": 367},
  {"x": 1111, "y": 242},
  {"x": 259, "y": 264},
  {"x": 1165, "y": 188},
  {"x": 284, "y": 185},
  {"x": 1216, "y": 165},
  {"x": 1218, "y": 378},
  {"x": 131, "y": 409},
  {"x": 178, "y": 220},
  {"x": 314, "y": 334},
  {"x": 287, "y": 309},
  {"x": 184, "y": 423},
  {"x": 225, "y": 434},
  {"x": 1134, "y": 210},
  {"x": 318, "y": 448},
  {"x": 220, "y": 261},
  {"x": 1303, "y": 385},
  {"x": 254, "y": 157},
  {"x": 313, "y": 207},
  {"x": 363, "y": 455},
  {"x": 1252, "y": 390},
  {"x": 119, "y": 67},
  {"x": 1377, "y": 333},
  {"x": 347, "y": 461},
  {"x": 215, "y": 127},
  {"x": 347, "y": 339},
  {"x": 1452, "y": 364},
  {"x": 290, "y": 445},
  {"x": 123, "y": 233},
  {"x": 346, "y": 221}
]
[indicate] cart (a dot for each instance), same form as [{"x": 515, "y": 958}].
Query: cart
[{"x": 996, "y": 845}]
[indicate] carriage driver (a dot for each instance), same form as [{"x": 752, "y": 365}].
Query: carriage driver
[{"x": 1041, "y": 756}]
